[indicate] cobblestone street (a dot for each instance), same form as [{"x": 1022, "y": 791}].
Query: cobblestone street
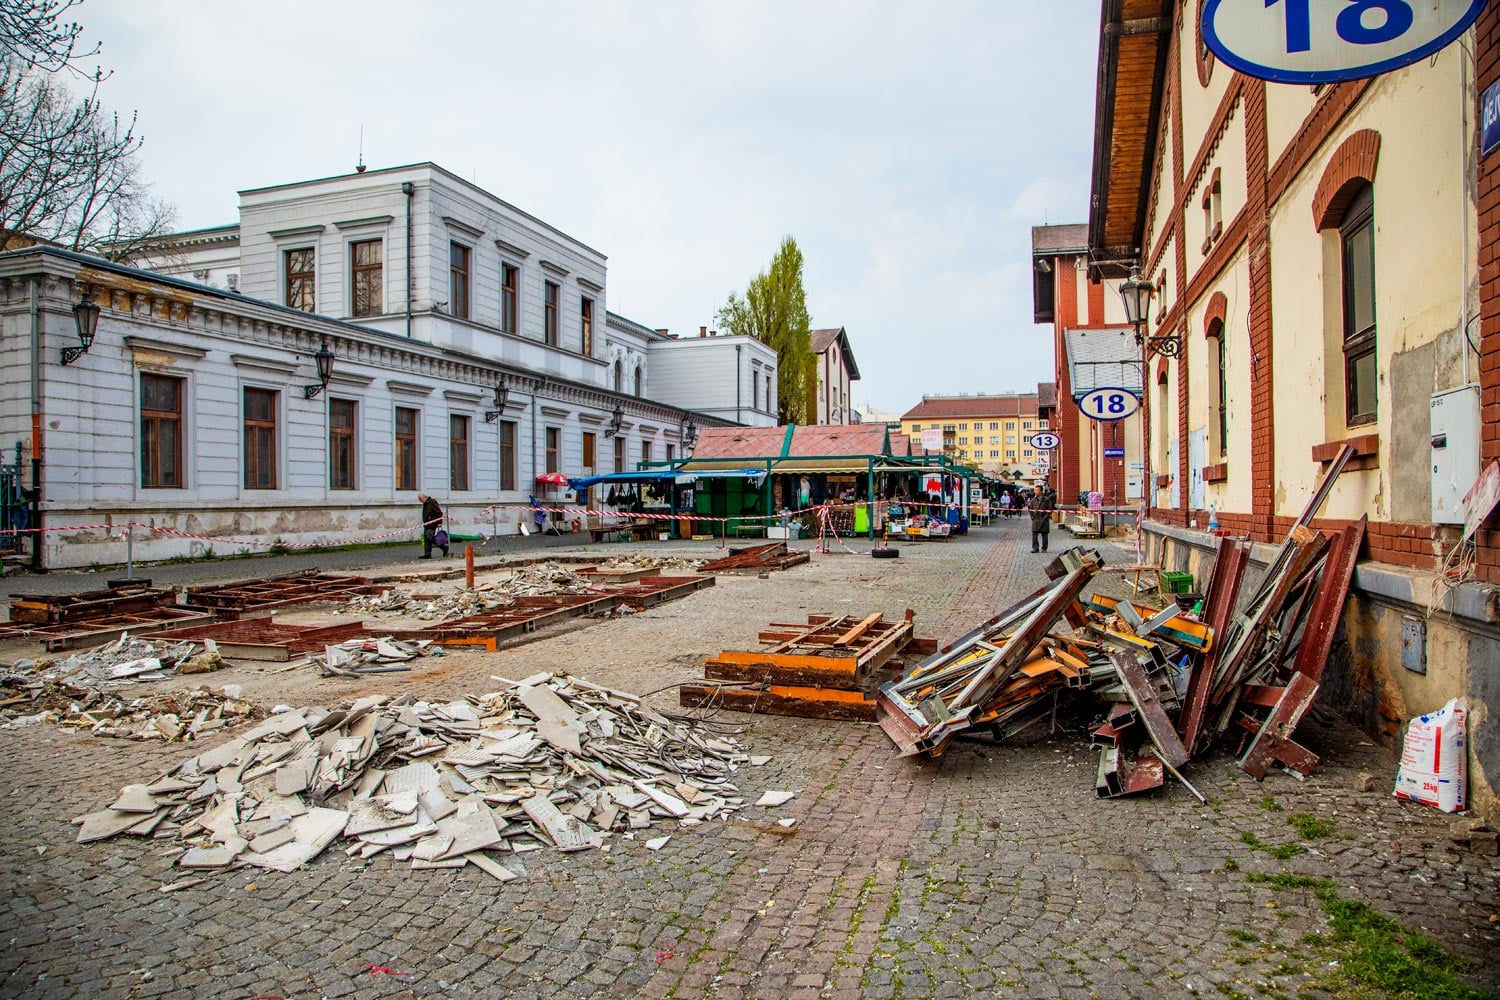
[{"x": 996, "y": 872}]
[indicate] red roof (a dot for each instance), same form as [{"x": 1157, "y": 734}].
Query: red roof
[
  {"x": 759, "y": 443},
  {"x": 1013, "y": 404}
]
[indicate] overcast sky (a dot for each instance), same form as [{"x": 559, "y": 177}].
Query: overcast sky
[{"x": 909, "y": 147}]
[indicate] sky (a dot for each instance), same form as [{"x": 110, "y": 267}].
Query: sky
[{"x": 908, "y": 147}]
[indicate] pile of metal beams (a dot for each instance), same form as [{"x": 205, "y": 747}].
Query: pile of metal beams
[
  {"x": 756, "y": 559},
  {"x": 255, "y": 596},
  {"x": 828, "y": 668},
  {"x": 1173, "y": 683},
  {"x": 65, "y": 621}
]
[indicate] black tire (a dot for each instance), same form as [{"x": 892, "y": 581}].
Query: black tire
[{"x": 886, "y": 553}]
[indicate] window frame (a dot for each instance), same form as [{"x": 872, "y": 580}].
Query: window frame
[
  {"x": 590, "y": 453},
  {"x": 341, "y": 439},
  {"x": 621, "y": 454},
  {"x": 508, "y": 432},
  {"x": 156, "y": 418},
  {"x": 551, "y": 296},
  {"x": 552, "y": 439},
  {"x": 586, "y": 324},
  {"x": 375, "y": 295},
  {"x": 1358, "y": 217},
  {"x": 407, "y": 445},
  {"x": 460, "y": 279},
  {"x": 510, "y": 297},
  {"x": 264, "y": 429},
  {"x": 307, "y": 280},
  {"x": 460, "y": 451}
]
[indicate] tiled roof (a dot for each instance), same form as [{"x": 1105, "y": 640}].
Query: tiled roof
[
  {"x": 839, "y": 439},
  {"x": 1046, "y": 394},
  {"x": 739, "y": 442},
  {"x": 749, "y": 443},
  {"x": 822, "y": 338},
  {"x": 944, "y": 407},
  {"x": 1056, "y": 239}
]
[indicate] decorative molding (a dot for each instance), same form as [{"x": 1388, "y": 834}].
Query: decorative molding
[
  {"x": 264, "y": 364},
  {"x": 296, "y": 232},
  {"x": 349, "y": 379},
  {"x": 407, "y": 388},
  {"x": 460, "y": 396},
  {"x": 510, "y": 249},
  {"x": 374, "y": 220},
  {"x": 1352, "y": 163},
  {"x": 1217, "y": 309},
  {"x": 180, "y": 351},
  {"x": 556, "y": 269},
  {"x": 554, "y": 411},
  {"x": 589, "y": 284},
  {"x": 468, "y": 230}
]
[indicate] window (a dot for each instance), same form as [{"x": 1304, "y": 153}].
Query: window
[
  {"x": 1042, "y": 424},
  {"x": 299, "y": 277},
  {"x": 619, "y": 454},
  {"x": 671, "y": 451},
  {"x": 754, "y": 390},
  {"x": 549, "y": 316},
  {"x": 406, "y": 448},
  {"x": 1010, "y": 453},
  {"x": 770, "y": 399},
  {"x": 1026, "y": 453},
  {"x": 341, "y": 444},
  {"x": 1213, "y": 212},
  {"x": 458, "y": 452},
  {"x": 554, "y": 449},
  {"x": 260, "y": 439},
  {"x": 161, "y": 431},
  {"x": 507, "y": 455},
  {"x": 645, "y": 451},
  {"x": 1357, "y": 240},
  {"x": 994, "y": 425},
  {"x": 510, "y": 279},
  {"x": 458, "y": 280},
  {"x": 365, "y": 278},
  {"x": 963, "y": 440},
  {"x": 619, "y": 376},
  {"x": 994, "y": 439},
  {"x": 963, "y": 427},
  {"x": 640, "y": 379},
  {"x": 590, "y": 452},
  {"x": 586, "y": 314},
  {"x": 916, "y": 428},
  {"x": 1218, "y": 403},
  {"x": 994, "y": 453},
  {"x": 1026, "y": 425}
]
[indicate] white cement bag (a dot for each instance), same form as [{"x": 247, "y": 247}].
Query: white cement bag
[{"x": 1434, "y": 757}]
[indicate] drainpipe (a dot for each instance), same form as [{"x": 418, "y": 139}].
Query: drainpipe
[
  {"x": 534, "y": 393},
  {"x": 410, "y": 190},
  {"x": 36, "y": 424},
  {"x": 738, "y": 378}
]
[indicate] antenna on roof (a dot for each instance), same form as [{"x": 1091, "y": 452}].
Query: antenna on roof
[{"x": 359, "y": 167}]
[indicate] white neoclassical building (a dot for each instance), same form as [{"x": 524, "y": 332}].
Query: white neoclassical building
[{"x": 300, "y": 377}]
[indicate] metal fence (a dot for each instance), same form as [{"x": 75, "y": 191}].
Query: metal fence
[{"x": 15, "y": 506}]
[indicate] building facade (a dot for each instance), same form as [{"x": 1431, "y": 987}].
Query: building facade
[
  {"x": 725, "y": 377},
  {"x": 837, "y": 373},
  {"x": 1318, "y": 259},
  {"x": 988, "y": 432}
]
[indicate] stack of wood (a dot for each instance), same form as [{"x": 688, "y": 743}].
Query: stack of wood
[
  {"x": 828, "y": 668},
  {"x": 755, "y": 560}
]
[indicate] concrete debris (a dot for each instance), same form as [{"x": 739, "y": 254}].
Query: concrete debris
[
  {"x": 542, "y": 579},
  {"x": 125, "y": 660},
  {"x": 550, "y": 760},
  {"x": 371, "y": 656},
  {"x": 176, "y": 717}
]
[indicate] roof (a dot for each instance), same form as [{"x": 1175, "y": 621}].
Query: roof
[
  {"x": 1072, "y": 238},
  {"x": 1108, "y": 358},
  {"x": 823, "y": 339},
  {"x": 1010, "y": 404},
  {"x": 1134, "y": 43},
  {"x": 761, "y": 443},
  {"x": 1046, "y": 395}
]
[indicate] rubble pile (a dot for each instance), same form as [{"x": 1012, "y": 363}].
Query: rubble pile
[
  {"x": 435, "y": 608},
  {"x": 176, "y": 717},
  {"x": 551, "y": 760},
  {"x": 674, "y": 566},
  {"x": 123, "y": 661},
  {"x": 357, "y": 657}
]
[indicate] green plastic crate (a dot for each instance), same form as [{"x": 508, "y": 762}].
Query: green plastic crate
[{"x": 1176, "y": 582}]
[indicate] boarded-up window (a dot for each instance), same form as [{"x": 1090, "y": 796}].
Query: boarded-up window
[
  {"x": 161, "y": 431},
  {"x": 260, "y": 439}
]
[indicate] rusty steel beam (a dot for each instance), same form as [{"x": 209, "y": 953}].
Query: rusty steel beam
[
  {"x": 1222, "y": 594},
  {"x": 1149, "y": 710},
  {"x": 1328, "y": 606},
  {"x": 1273, "y": 741},
  {"x": 781, "y": 699}
]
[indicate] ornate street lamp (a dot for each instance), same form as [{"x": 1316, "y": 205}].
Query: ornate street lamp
[
  {"x": 323, "y": 357},
  {"x": 502, "y": 396},
  {"x": 1136, "y": 294},
  {"x": 615, "y": 420},
  {"x": 86, "y": 319}
]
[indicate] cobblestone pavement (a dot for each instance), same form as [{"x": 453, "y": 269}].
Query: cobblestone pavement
[{"x": 995, "y": 872}]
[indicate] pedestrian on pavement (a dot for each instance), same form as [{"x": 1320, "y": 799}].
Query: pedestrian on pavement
[
  {"x": 432, "y": 523},
  {"x": 1005, "y": 504},
  {"x": 1042, "y": 502}
]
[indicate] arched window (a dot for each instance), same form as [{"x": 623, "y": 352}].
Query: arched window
[
  {"x": 619, "y": 375},
  {"x": 1357, "y": 255},
  {"x": 1218, "y": 385},
  {"x": 640, "y": 380}
]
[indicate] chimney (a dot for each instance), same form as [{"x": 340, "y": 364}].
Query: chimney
[
  {"x": 713, "y": 333},
  {"x": 703, "y": 331},
  {"x": 665, "y": 332}
]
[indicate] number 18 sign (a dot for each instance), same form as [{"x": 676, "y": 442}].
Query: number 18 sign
[
  {"x": 1325, "y": 41},
  {"x": 1108, "y": 404}
]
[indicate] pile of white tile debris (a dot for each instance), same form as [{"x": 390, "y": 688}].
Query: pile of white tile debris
[
  {"x": 542, "y": 579},
  {"x": 549, "y": 760},
  {"x": 125, "y": 660},
  {"x": 662, "y": 567},
  {"x": 174, "y": 716}
]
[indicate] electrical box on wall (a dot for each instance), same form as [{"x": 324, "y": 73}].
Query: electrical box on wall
[{"x": 1455, "y": 451}]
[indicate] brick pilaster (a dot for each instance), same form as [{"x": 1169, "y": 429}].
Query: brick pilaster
[
  {"x": 1487, "y": 54},
  {"x": 1258, "y": 239}
]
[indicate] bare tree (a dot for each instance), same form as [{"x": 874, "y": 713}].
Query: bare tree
[{"x": 32, "y": 34}]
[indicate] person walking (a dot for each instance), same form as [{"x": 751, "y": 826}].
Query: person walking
[
  {"x": 432, "y": 524},
  {"x": 1042, "y": 502}
]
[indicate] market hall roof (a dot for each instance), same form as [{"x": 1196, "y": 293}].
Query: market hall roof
[
  {"x": 1103, "y": 359},
  {"x": 821, "y": 339},
  {"x": 1134, "y": 43},
  {"x": 793, "y": 441},
  {"x": 1009, "y": 404}
]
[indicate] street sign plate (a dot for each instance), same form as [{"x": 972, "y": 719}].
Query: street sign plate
[
  {"x": 1489, "y": 115},
  {"x": 1108, "y": 404},
  {"x": 1044, "y": 441},
  {"x": 1302, "y": 41},
  {"x": 1114, "y": 452}
]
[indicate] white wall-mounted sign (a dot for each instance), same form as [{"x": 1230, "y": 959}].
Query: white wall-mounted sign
[
  {"x": 1044, "y": 441},
  {"x": 1325, "y": 41},
  {"x": 932, "y": 439},
  {"x": 1108, "y": 404}
]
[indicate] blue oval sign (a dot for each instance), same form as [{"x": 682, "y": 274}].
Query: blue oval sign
[
  {"x": 1044, "y": 441},
  {"x": 1321, "y": 41},
  {"x": 1108, "y": 404}
]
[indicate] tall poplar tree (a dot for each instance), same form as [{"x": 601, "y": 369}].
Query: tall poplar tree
[{"x": 774, "y": 311}]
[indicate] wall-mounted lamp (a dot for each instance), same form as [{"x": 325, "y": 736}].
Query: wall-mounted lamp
[
  {"x": 687, "y": 433},
  {"x": 615, "y": 420},
  {"x": 502, "y": 396},
  {"x": 1136, "y": 294},
  {"x": 86, "y": 318},
  {"x": 324, "y": 358}
]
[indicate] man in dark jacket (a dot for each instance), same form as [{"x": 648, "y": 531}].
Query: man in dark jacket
[
  {"x": 432, "y": 520},
  {"x": 1042, "y": 503}
]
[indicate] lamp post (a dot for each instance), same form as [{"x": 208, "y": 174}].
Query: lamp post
[
  {"x": 502, "y": 396},
  {"x": 86, "y": 319},
  {"x": 616, "y": 419},
  {"x": 323, "y": 357},
  {"x": 1136, "y": 294},
  {"x": 687, "y": 433}
]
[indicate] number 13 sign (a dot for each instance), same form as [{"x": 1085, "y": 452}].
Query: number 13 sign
[{"x": 1325, "y": 41}]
